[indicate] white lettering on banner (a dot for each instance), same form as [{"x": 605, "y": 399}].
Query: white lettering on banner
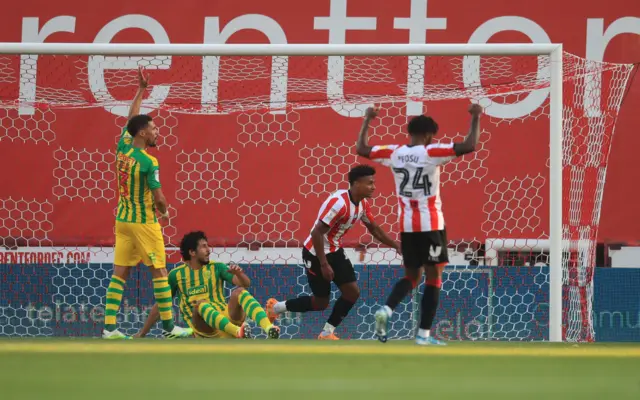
[
  {"x": 211, "y": 64},
  {"x": 81, "y": 312},
  {"x": 597, "y": 41},
  {"x": 44, "y": 255},
  {"x": 460, "y": 329},
  {"x": 337, "y": 23},
  {"x": 471, "y": 66},
  {"x": 417, "y": 24},
  {"x": 97, "y": 64},
  {"x": 29, "y": 62}
]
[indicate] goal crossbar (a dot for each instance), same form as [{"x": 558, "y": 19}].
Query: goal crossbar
[{"x": 315, "y": 49}]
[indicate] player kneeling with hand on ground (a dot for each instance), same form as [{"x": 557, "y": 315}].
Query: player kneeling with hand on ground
[{"x": 200, "y": 285}]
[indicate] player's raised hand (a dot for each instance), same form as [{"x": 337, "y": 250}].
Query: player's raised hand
[
  {"x": 475, "y": 109},
  {"x": 372, "y": 112},
  {"x": 235, "y": 269},
  {"x": 143, "y": 78}
]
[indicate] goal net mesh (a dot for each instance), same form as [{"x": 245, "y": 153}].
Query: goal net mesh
[{"x": 249, "y": 148}]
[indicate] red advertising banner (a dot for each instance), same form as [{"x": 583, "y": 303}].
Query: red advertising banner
[{"x": 259, "y": 176}]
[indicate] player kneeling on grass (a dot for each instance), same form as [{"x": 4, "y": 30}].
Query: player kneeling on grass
[{"x": 200, "y": 285}]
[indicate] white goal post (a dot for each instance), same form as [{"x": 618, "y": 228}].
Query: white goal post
[{"x": 553, "y": 51}]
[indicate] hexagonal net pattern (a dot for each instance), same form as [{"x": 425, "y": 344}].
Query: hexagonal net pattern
[
  {"x": 25, "y": 222},
  {"x": 34, "y": 127},
  {"x": 262, "y": 222},
  {"x": 260, "y": 127},
  {"x": 250, "y": 146},
  {"x": 207, "y": 176},
  {"x": 217, "y": 84},
  {"x": 325, "y": 168},
  {"x": 512, "y": 206},
  {"x": 84, "y": 174}
]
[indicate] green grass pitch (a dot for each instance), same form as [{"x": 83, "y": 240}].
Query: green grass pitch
[{"x": 304, "y": 370}]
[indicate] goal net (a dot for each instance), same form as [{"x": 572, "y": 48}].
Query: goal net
[{"x": 249, "y": 148}]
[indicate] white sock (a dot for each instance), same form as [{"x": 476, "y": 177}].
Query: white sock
[
  {"x": 388, "y": 310},
  {"x": 328, "y": 328},
  {"x": 424, "y": 332},
  {"x": 280, "y": 307}
]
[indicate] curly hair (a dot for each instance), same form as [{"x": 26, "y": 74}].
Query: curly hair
[{"x": 189, "y": 243}]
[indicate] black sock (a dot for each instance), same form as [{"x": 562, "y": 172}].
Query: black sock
[
  {"x": 400, "y": 290},
  {"x": 340, "y": 310},
  {"x": 300, "y": 304},
  {"x": 429, "y": 305}
]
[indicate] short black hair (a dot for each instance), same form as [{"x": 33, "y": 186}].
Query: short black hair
[
  {"x": 189, "y": 243},
  {"x": 422, "y": 125},
  {"x": 138, "y": 123},
  {"x": 360, "y": 171}
]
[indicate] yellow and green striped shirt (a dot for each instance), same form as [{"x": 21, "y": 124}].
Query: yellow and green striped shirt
[
  {"x": 138, "y": 174},
  {"x": 206, "y": 283}
]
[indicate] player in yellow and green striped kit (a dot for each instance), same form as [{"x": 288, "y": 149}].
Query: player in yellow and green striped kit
[
  {"x": 138, "y": 232},
  {"x": 200, "y": 285}
]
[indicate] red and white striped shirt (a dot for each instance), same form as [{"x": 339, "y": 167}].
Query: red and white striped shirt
[
  {"x": 340, "y": 214},
  {"x": 417, "y": 175}
]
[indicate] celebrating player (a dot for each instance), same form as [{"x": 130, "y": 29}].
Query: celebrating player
[
  {"x": 324, "y": 256},
  {"x": 416, "y": 168},
  {"x": 138, "y": 232},
  {"x": 200, "y": 285}
]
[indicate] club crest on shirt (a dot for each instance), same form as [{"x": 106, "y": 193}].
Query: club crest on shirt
[{"x": 206, "y": 274}]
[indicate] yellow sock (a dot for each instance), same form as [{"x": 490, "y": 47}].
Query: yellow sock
[
  {"x": 162, "y": 293},
  {"x": 216, "y": 320},
  {"x": 114, "y": 298},
  {"x": 254, "y": 311}
]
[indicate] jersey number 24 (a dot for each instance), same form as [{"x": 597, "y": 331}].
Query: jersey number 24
[{"x": 419, "y": 181}]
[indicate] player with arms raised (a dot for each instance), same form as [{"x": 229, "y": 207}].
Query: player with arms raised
[
  {"x": 324, "y": 256},
  {"x": 416, "y": 168},
  {"x": 200, "y": 286},
  {"x": 138, "y": 232}
]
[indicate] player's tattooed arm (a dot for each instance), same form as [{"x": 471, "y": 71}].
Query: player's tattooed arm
[
  {"x": 377, "y": 232},
  {"x": 317, "y": 239},
  {"x": 143, "y": 82},
  {"x": 362, "y": 145},
  {"x": 471, "y": 141}
]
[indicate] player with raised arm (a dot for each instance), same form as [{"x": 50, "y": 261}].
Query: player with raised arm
[
  {"x": 416, "y": 169},
  {"x": 200, "y": 285},
  {"x": 138, "y": 232},
  {"x": 324, "y": 256}
]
